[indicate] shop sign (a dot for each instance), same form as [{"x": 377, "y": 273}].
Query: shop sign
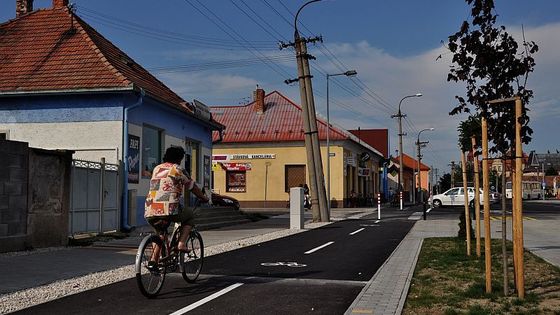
[
  {"x": 133, "y": 159},
  {"x": 363, "y": 171},
  {"x": 252, "y": 156},
  {"x": 237, "y": 166}
]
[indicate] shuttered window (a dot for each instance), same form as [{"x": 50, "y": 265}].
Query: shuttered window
[{"x": 294, "y": 176}]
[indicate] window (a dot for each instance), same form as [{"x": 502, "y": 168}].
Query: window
[
  {"x": 151, "y": 150},
  {"x": 452, "y": 192},
  {"x": 236, "y": 181},
  {"x": 4, "y": 134},
  {"x": 294, "y": 176}
]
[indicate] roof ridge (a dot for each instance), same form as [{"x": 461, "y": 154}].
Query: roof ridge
[{"x": 96, "y": 49}]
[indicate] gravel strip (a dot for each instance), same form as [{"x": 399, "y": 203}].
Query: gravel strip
[{"x": 15, "y": 301}]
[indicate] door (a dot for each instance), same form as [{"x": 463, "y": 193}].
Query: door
[{"x": 449, "y": 196}]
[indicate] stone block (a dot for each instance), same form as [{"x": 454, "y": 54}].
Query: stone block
[
  {"x": 3, "y": 230},
  {"x": 18, "y": 175},
  {"x": 13, "y": 188},
  {"x": 4, "y": 201},
  {"x": 17, "y": 203},
  {"x": 13, "y": 243},
  {"x": 16, "y": 227}
]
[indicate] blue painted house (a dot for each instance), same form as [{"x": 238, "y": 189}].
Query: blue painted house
[{"x": 64, "y": 86}]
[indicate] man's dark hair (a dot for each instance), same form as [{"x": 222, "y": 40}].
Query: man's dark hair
[{"x": 174, "y": 154}]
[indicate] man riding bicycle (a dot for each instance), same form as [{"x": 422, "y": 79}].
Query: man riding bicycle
[{"x": 164, "y": 200}]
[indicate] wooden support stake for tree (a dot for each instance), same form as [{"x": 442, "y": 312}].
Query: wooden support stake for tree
[
  {"x": 486, "y": 197},
  {"x": 476, "y": 196},
  {"x": 467, "y": 213},
  {"x": 518, "y": 219}
]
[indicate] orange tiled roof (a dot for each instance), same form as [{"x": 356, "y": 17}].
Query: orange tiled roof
[
  {"x": 54, "y": 50},
  {"x": 411, "y": 163},
  {"x": 281, "y": 121}
]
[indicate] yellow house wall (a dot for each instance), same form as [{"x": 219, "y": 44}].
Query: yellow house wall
[{"x": 256, "y": 177}]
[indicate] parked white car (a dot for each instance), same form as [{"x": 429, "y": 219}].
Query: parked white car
[{"x": 456, "y": 197}]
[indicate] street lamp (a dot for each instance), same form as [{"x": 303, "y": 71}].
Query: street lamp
[
  {"x": 399, "y": 115},
  {"x": 348, "y": 73},
  {"x": 419, "y": 144}
]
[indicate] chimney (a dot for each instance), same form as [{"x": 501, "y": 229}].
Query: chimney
[
  {"x": 23, "y": 7},
  {"x": 59, "y": 4},
  {"x": 258, "y": 97}
]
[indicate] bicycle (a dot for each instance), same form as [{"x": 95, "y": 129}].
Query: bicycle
[{"x": 150, "y": 278}]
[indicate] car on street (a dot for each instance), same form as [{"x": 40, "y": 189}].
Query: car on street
[
  {"x": 225, "y": 201},
  {"x": 456, "y": 197}
]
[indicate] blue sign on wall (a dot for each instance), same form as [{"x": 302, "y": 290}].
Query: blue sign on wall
[{"x": 133, "y": 159}]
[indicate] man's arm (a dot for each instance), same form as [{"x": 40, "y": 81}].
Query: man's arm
[{"x": 199, "y": 194}]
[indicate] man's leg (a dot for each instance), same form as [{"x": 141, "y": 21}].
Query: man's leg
[{"x": 185, "y": 231}]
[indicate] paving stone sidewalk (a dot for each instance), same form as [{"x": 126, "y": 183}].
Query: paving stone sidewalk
[{"x": 386, "y": 292}]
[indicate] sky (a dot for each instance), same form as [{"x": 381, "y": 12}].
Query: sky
[{"x": 217, "y": 51}]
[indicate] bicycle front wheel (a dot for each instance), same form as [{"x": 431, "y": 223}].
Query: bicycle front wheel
[
  {"x": 150, "y": 276},
  {"x": 191, "y": 261}
]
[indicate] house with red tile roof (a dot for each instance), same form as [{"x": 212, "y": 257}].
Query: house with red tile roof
[
  {"x": 65, "y": 86},
  {"x": 261, "y": 154},
  {"x": 410, "y": 176}
]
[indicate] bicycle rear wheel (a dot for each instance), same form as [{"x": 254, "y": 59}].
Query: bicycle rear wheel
[
  {"x": 149, "y": 278},
  {"x": 191, "y": 262}
]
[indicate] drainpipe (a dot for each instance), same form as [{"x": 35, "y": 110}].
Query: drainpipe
[{"x": 124, "y": 212}]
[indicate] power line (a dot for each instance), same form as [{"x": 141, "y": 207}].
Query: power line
[{"x": 223, "y": 64}]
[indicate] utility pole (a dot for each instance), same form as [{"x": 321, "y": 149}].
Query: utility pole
[
  {"x": 400, "y": 115},
  {"x": 452, "y": 164},
  {"x": 312, "y": 144},
  {"x": 437, "y": 180}
]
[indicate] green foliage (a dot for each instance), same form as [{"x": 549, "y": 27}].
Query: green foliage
[{"x": 493, "y": 66}]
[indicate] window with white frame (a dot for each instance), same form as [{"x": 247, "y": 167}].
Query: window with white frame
[{"x": 151, "y": 149}]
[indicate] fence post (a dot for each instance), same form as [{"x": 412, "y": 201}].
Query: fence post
[{"x": 101, "y": 194}]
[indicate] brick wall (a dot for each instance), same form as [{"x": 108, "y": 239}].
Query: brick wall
[{"x": 14, "y": 164}]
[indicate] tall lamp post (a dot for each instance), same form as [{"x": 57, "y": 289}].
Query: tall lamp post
[
  {"x": 348, "y": 74},
  {"x": 399, "y": 115},
  {"x": 419, "y": 144}
]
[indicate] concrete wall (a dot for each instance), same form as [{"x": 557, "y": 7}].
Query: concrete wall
[
  {"x": 34, "y": 196},
  {"x": 49, "y": 197},
  {"x": 14, "y": 166}
]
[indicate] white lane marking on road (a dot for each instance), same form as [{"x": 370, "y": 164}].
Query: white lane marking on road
[
  {"x": 318, "y": 248},
  {"x": 357, "y": 231},
  {"x": 430, "y": 209},
  {"x": 206, "y": 299}
]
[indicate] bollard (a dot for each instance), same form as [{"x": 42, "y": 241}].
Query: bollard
[
  {"x": 296, "y": 208},
  {"x": 424, "y": 211},
  {"x": 400, "y": 198},
  {"x": 378, "y": 206}
]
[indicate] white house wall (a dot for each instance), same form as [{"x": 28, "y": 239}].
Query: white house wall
[{"x": 91, "y": 140}]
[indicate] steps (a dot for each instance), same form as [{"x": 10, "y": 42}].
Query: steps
[{"x": 215, "y": 217}]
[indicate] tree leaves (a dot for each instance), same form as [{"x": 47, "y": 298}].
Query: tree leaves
[{"x": 487, "y": 59}]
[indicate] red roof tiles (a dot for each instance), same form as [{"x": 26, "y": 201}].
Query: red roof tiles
[
  {"x": 281, "y": 121},
  {"x": 411, "y": 163},
  {"x": 55, "y": 50}
]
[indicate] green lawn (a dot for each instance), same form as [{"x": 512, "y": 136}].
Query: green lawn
[{"x": 447, "y": 281}]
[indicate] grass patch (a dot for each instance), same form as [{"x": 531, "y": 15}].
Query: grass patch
[{"x": 447, "y": 282}]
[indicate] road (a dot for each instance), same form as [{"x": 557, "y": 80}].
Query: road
[
  {"x": 532, "y": 210},
  {"x": 320, "y": 271}
]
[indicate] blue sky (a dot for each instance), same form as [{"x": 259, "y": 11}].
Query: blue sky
[{"x": 392, "y": 44}]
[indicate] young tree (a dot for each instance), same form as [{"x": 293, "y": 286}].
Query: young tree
[{"x": 489, "y": 61}]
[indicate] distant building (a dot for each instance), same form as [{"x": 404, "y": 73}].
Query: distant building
[{"x": 262, "y": 155}]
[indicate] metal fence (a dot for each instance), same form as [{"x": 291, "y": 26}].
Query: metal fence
[{"x": 94, "y": 206}]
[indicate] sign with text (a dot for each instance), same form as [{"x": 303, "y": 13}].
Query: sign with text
[{"x": 133, "y": 159}]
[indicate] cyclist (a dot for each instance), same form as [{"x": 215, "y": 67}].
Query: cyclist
[{"x": 164, "y": 201}]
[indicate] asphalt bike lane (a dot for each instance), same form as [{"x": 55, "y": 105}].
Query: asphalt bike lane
[{"x": 273, "y": 277}]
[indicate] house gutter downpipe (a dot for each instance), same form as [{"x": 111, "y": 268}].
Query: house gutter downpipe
[{"x": 124, "y": 213}]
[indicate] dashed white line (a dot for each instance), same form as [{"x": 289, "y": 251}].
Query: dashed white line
[
  {"x": 357, "y": 231},
  {"x": 206, "y": 299},
  {"x": 318, "y": 248}
]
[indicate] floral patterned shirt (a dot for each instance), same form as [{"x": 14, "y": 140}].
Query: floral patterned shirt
[{"x": 166, "y": 189}]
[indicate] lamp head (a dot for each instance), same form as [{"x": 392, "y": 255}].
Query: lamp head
[
  {"x": 432, "y": 129},
  {"x": 350, "y": 73},
  {"x": 418, "y": 94}
]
